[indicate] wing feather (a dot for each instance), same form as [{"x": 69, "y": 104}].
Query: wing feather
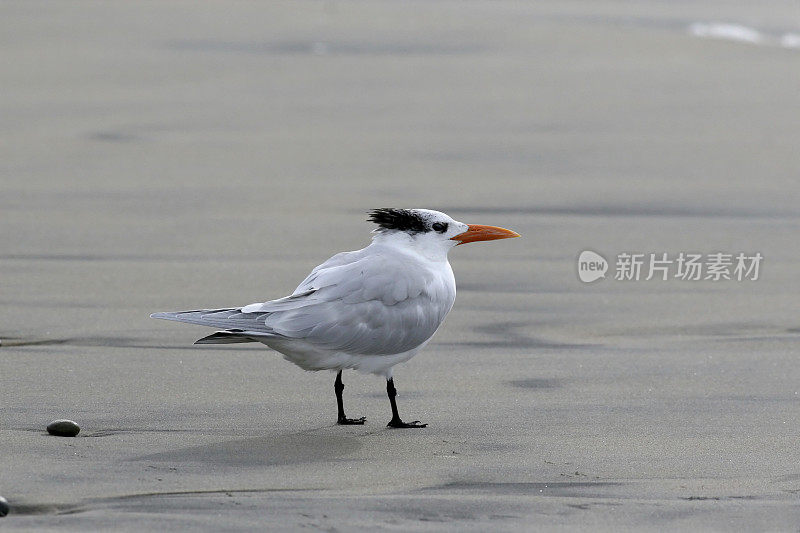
[
  {"x": 373, "y": 301},
  {"x": 233, "y": 318},
  {"x": 375, "y": 305}
]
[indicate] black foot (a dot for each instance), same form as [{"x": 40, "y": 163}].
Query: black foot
[
  {"x": 352, "y": 421},
  {"x": 397, "y": 423}
]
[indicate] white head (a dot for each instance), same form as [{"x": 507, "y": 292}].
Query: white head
[{"x": 431, "y": 232}]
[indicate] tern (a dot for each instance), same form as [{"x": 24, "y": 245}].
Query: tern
[{"x": 367, "y": 310}]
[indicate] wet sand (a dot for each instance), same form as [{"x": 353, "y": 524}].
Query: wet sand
[{"x": 167, "y": 156}]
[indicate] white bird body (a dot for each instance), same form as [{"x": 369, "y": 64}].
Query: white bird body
[{"x": 368, "y": 310}]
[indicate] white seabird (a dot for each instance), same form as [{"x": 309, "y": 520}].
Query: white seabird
[{"x": 368, "y": 310}]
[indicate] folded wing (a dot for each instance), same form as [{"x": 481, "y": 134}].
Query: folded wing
[
  {"x": 374, "y": 305},
  {"x": 370, "y": 304}
]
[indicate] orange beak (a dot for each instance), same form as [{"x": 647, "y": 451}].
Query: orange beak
[{"x": 483, "y": 233}]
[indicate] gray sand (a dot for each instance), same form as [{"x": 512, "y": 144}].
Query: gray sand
[{"x": 167, "y": 156}]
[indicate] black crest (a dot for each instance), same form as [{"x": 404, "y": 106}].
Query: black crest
[{"x": 398, "y": 219}]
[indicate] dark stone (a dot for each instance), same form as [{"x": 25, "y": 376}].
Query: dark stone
[{"x": 63, "y": 428}]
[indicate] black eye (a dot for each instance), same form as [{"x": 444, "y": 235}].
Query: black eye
[{"x": 441, "y": 227}]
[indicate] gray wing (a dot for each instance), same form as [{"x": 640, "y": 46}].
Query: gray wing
[
  {"x": 374, "y": 303},
  {"x": 232, "y": 320},
  {"x": 247, "y": 324},
  {"x": 328, "y": 273},
  {"x": 378, "y": 304}
]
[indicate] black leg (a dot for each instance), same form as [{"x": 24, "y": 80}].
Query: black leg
[
  {"x": 338, "y": 386},
  {"x": 395, "y": 422}
]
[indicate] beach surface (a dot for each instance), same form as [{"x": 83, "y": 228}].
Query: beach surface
[{"x": 167, "y": 155}]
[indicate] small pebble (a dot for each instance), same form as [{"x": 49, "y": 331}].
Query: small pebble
[
  {"x": 4, "y": 507},
  {"x": 63, "y": 428}
]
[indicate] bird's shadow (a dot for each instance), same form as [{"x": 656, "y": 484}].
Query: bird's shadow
[{"x": 514, "y": 335}]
